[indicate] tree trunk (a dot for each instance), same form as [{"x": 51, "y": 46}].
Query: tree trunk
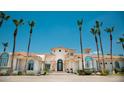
[
  {"x": 81, "y": 46},
  {"x": 28, "y": 50},
  {"x": 97, "y": 48},
  {"x": 4, "y": 49},
  {"x": 102, "y": 51},
  {"x": 122, "y": 46},
  {"x": 111, "y": 50},
  {"x": 13, "y": 52}
]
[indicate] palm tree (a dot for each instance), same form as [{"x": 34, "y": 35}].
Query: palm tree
[
  {"x": 94, "y": 32},
  {"x": 110, "y": 30},
  {"x": 17, "y": 23},
  {"x": 80, "y": 23},
  {"x": 121, "y": 41},
  {"x": 31, "y": 24},
  {"x": 98, "y": 24},
  {"x": 5, "y": 45},
  {"x": 3, "y": 17}
]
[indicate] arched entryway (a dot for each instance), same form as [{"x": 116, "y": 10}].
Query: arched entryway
[{"x": 60, "y": 65}]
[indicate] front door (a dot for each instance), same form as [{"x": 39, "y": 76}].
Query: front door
[{"x": 59, "y": 65}]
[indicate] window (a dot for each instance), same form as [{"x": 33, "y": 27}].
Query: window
[
  {"x": 47, "y": 66},
  {"x": 4, "y": 59},
  {"x": 71, "y": 54},
  {"x": 30, "y": 65},
  {"x": 88, "y": 61},
  {"x": 117, "y": 65},
  {"x": 59, "y": 50}
]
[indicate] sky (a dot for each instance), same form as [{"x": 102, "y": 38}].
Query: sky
[{"x": 59, "y": 29}]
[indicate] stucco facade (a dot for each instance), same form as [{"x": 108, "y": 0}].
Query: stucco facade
[{"x": 59, "y": 59}]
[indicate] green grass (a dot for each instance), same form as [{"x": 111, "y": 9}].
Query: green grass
[{"x": 120, "y": 74}]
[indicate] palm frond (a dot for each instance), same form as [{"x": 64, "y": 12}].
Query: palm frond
[
  {"x": 93, "y": 31},
  {"x": 121, "y": 39},
  {"x": 2, "y": 15},
  {"x": 31, "y": 24},
  {"x": 101, "y": 23},
  {"x": 80, "y": 22},
  {"x": 5, "y": 44},
  {"x": 109, "y": 29},
  {"x": 20, "y": 21},
  {"x": 113, "y": 28},
  {"x": 98, "y": 24},
  {"x": 7, "y": 17},
  {"x": 16, "y": 22}
]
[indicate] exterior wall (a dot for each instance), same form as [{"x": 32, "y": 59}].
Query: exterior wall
[
  {"x": 19, "y": 64},
  {"x": 36, "y": 69},
  {"x": 4, "y": 70},
  {"x": 59, "y": 53},
  {"x": 70, "y": 59}
]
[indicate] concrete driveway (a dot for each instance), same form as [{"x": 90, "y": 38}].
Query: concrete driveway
[{"x": 61, "y": 77}]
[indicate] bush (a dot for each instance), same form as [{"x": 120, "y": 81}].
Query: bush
[
  {"x": 44, "y": 73},
  {"x": 122, "y": 69},
  {"x": 4, "y": 74},
  {"x": 19, "y": 73},
  {"x": 46, "y": 70},
  {"x": 88, "y": 71},
  {"x": 80, "y": 72},
  {"x": 105, "y": 72},
  {"x": 117, "y": 70},
  {"x": 85, "y": 72}
]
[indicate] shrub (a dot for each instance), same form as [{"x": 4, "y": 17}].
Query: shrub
[
  {"x": 46, "y": 70},
  {"x": 122, "y": 69},
  {"x": 88, "y": 71},
  {"x": 105, "y": 72},
  {"x": 44, "y": 73},
  {"x": 4, "y": 74},
  {"x": 80, "y": 72},
  {"x": 19, "y": 73},
  {"x": 118, "y": 70}
]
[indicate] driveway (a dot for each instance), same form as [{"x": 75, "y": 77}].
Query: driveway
[{"x": 61, "y": 77}]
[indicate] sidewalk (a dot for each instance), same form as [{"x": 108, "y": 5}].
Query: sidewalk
[{"x": 61, "y": 77}]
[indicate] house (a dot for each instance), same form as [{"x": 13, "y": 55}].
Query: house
[{"x": 59, "y": 59}]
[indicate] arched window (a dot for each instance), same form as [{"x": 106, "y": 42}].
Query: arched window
[
  {"x": 30, "y": 65},
  {"x": 117, "y": 65},
  {"x": 4, "y": 59}
]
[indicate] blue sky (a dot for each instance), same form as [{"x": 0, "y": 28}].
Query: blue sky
[{"x": 59, "y": 29}]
